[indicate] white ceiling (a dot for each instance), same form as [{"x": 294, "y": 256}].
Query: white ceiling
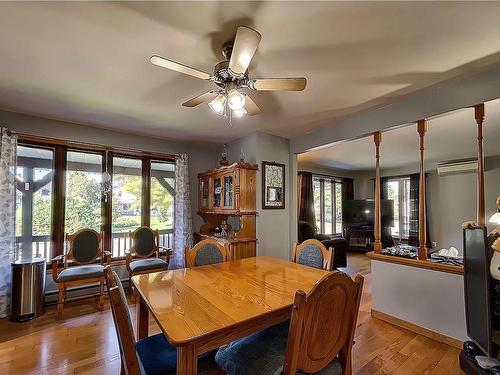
[
  {"x": 449, "y": 137},
  {"x": 87, "y": 62}
]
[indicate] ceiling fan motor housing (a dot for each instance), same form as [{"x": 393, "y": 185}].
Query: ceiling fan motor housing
[{"x": 222, "y": 75}]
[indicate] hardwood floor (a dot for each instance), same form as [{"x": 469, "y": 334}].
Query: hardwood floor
[{"x": 85, "y": 342}]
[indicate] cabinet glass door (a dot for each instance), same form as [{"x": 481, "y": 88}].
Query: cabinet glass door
[
  {"x": 228, "y": 191},
  {"x": 204, "y": 193},
  {"x": 217, "y": 192}
]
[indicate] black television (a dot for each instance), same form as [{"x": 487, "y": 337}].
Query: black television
[{"x": 361, "y": 213}]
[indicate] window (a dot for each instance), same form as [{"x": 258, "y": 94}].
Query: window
[
  {"x": 398, "y": 190},
  {"x": 34, "y": 181},
  {"x": 60, "y": 190},
  {"x": 327, "y": 195},
  {"x": 127, "y": 202},
  {"x": 83, "y": 191},
  {"x": 162, "y": 200}
]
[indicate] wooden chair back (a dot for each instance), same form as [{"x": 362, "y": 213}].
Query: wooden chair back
[
  {"x": 308, "y": 246},
  {"x": 123, "y": 323},
  {"x": 208, "y": 249},
  {"x": 145, "y": 242},
  {"x": 323, "y": 324},
  {"x": 84, "y": 247}
]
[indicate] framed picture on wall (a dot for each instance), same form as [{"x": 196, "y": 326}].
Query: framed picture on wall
[{"x": 273, "y": 185}]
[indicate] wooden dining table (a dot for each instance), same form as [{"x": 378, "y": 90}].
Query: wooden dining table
[{"x": 202, "y": 308}]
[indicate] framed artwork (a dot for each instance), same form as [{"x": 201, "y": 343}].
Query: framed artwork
[{"x": 273, "y": 185}]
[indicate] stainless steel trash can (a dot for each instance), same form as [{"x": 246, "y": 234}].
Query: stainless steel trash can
[{"x": 28, "y": 289}]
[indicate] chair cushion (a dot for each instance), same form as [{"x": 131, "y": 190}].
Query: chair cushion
[
  {"x": 208, "y": 254},
  {"x": 148, "y": 264},
  {"x": 158, "y": 356},
  {"x": 262, "y": 353},
  {"x": 85, "y": 246},
  {"x": 311, "y": 256},
  {"x": 81, "y": 272},
  {"x": 144, "y": 241}
]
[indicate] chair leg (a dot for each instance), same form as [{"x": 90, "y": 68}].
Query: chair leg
[
  {"x": 133, "y": 292},
  {"x": 101, "y": 296},
  {"x": 60, "y": 302}
]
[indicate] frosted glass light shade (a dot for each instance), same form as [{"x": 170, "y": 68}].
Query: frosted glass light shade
[
  {"x": 495, "y": 218},
  {"x": 217, "y": 105},
  {"x": 235, "y": 100}
]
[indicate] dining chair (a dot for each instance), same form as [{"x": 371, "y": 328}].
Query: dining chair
[
  {"x": 82, "y": 264},
  {"x": 313, "y": 253},
  {"x": 153, "y": 355},
  {"x": 318, "y": 339},
  {"x": 205, "y": 252},
  {"x": 144, "y": 254}
]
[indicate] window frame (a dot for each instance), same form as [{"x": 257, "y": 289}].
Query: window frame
[
  {"x": 328, "y": 182},
  {"x": 60, "y": 149}
]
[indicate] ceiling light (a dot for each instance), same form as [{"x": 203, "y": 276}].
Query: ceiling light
[
  {"x": 217, "y": 105},
  {"x": 235, "y": 100},
  {"x": 239, "y": 113}
]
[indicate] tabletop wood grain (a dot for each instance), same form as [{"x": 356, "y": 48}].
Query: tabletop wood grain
[{"x": 190, "y": 303}]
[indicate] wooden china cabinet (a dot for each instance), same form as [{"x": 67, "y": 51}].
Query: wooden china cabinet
[{"x": 227, "y": 203}]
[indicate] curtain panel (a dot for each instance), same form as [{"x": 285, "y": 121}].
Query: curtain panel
[
  {"x": 183, "y": 221},
  {"x": 414, "y": 211},
  {"x": 347, "y": 189},
  {"x": 8, "y": 145},
  {"x": 305, "y": 198}
]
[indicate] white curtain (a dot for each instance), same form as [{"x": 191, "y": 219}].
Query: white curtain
[
  {"x": 183, "y": 223},
  {"x": 7, "y": 215}
]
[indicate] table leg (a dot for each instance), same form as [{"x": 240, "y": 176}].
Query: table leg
[
  {"x": 142, "y": 319},
  {"x": 187, "y": 361}
]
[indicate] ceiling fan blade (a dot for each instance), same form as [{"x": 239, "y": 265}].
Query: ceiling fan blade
[
  {"x": 200, "y": 99},
  {"x": 245, "y": 44},
  {"x": 181, "y": 68},
  {"x": 278, "y": 84},
  {"x": 251, "y": 107}
]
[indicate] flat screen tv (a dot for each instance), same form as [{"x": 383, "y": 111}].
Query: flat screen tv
[
  {"x": 361, "y": 213},
  {"x": 477, "y": 289}
]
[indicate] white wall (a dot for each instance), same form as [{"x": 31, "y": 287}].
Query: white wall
[
  {"x": 360, "y": 178},
  {"x": 273, "y": 226},
  {"x": 427, "y": 298},
  {"x": 201, "y": 156}
]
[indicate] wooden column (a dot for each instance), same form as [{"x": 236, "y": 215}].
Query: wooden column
[
  {"x": 479, "y": 116},
  {"x": 422, "y": 214},
  {"x": 377, "y": 246}
]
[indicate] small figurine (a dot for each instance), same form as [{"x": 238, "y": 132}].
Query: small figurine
[{"x": 223, "y": 160}]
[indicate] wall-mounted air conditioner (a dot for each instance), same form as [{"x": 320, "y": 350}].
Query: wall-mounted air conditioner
[{"x": 457, "y": 166}]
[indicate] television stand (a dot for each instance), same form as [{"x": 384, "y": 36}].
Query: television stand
[{"x": 359, "y": 238}]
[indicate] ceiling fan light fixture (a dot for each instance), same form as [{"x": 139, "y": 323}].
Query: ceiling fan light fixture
[
  {"x": 239, "y": 113},
  {"x": 235, "y": 100},
  {"x": 217, "y": 105}
]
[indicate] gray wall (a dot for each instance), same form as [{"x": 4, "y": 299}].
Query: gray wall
[
  {"x": 273, "y": 228},
  {"x": 201, "y": 156}
]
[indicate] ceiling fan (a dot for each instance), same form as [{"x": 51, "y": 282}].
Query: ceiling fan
[{"x": 231, "y": 75}]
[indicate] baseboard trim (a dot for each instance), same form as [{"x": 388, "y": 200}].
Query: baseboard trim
[{"x": 417, "y": 329}]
